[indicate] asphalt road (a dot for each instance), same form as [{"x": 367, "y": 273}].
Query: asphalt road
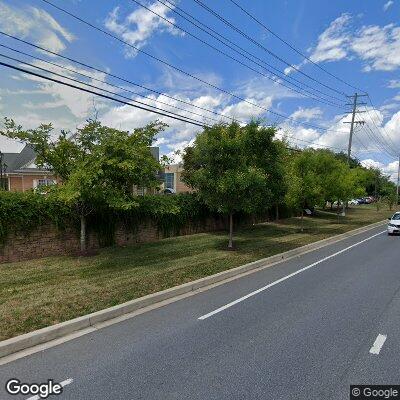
[{"x": 308, "y": 336}]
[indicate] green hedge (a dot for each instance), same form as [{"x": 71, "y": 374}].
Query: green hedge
[
  {"x": 26, "y": 211},
  {"x": 22, "y": 212}
]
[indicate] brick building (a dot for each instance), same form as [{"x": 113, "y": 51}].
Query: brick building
[
  {"x": 173, "y": 179},
  {"x": 21, "y": 174}
]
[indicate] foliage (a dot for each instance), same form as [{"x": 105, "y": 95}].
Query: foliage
[
  {"x": 233, "y": 168},
  {"x": 316, "y": 176},
  {"x": 305, "y": 189},
  {"x": 98, "y": 165},
  {"x": 22, "y": 212}
]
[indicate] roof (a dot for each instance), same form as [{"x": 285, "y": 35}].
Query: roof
[
  {"x": 20, "y": 162},
  {"x": 17, "y": 161}
]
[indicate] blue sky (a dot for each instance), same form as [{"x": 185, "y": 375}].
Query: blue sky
[{"x": 357, "y": 41}]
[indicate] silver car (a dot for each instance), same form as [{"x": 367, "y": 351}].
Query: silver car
[{"x": 394, "y": 224}]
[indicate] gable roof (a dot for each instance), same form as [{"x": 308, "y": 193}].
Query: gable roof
[
  {"x": 17, "y": 161},
  {"x": 22, "y": 162}
]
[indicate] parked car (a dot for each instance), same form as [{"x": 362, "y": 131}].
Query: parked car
[
  {"x": 354, "y": 202},
  {"x": 394, "y": 224}
]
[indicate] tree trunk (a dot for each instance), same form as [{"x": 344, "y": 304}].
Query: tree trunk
[
  {"x": 230, "y": 244},
  {"x": 302, "y": 219},
  {"x": 83, "y": 234},
  {"x": 277, "y": 211}
]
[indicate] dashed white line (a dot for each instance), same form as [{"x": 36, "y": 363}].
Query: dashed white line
[
  {"x": 218, "y": 310},
  {"x": 63, "y": 383},
  {"x": 377, "y": 346}
]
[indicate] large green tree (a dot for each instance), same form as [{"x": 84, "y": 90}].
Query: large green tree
[
  {"x": 234, "y": 168},
  {"x": 98, "y": 165},
  {"x": 304, "y": 183}
]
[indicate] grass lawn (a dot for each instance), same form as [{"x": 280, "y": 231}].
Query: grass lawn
[{"x": 38, "y": 293}]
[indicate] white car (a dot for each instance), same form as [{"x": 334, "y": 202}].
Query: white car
[{"x": 394, "y": 224}]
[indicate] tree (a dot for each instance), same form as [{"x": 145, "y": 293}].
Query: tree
[
  {"x": 233, "y": 168},
  {"x": 353, "y": 162},
  {"x": 98, "y": 165},
  {"x": 304, "y": 184}
]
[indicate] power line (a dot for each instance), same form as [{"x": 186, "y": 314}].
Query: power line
[
  {"x": 383, "y": 127},
  {"x": 172, "y": 66},
  {"x": 155, "y": 111},
  {"x": 371, "y": 133},
  {"x": 291, "y": 46},
  {"x": 217, "y": 36},
  {"x": 226, "y": 22},
  {"x": 113, "y": 75},
  {"x": 104, "y": 82}
]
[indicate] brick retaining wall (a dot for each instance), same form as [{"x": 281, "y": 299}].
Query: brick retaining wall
[{"x": 47, "y": 240}]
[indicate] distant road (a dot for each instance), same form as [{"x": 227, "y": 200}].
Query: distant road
[{"x": 303, "y": 329}]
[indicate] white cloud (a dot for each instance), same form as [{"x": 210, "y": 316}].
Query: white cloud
[
  {"x": 387, "y": 5},
  {"x": 244, "y": 110},
  {"x": 78, "y": 103},
  {"x": 370, "y": 163},
  {"x": 332, "y": 43},
  {"x": 36, "y": 24},
  {"x": 377, "y": 46},
  {"x": 394, "y": 84},
  {"x": 307, "y": 114},
  {"x": 389, "y": 169},
  {"x": 138, "y": 26}
]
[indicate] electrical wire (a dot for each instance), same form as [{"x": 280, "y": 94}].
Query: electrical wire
[
  {"x": 292, "y": 47},
  {"x": 109, "y": 84},
  {"x": 125, "y": 80},
  {"x": 155, "y": 110},
  {"x": 226, "y": 22},
  {"x": 170, "y": 65},
  {"x": 175, "y": 9}
]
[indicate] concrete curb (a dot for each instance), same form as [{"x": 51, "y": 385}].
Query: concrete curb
[{"x": 47, "y": 334}]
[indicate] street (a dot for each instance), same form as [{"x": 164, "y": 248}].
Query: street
[{"x": 303, "y": 329}]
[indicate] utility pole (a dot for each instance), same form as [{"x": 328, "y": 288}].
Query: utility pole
[
  {"x": 398, "y": 185},
  {"x": 352, "y": 123}
]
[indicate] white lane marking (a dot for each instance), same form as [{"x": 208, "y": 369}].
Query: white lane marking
[
  {"x": 63, "y": 383},
  {"x": 285, "y": 278},
  {"x": 377, "y": 346}
]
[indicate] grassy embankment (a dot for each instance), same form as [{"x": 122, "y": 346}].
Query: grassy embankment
[{"x": 38, "y": 293}]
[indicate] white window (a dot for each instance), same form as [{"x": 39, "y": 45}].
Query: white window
[
  {"x": 37, "y": 183},
  {"x": 45, "y": 182}
]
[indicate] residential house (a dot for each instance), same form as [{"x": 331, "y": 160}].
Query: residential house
[
  {"x": 20, "y": 173},
  {"x": 173, "y": 179}
]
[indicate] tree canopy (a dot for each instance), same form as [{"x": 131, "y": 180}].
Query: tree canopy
[
  {"x": 98, "y": 165},
  {"x": 234, "y": 168}
]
